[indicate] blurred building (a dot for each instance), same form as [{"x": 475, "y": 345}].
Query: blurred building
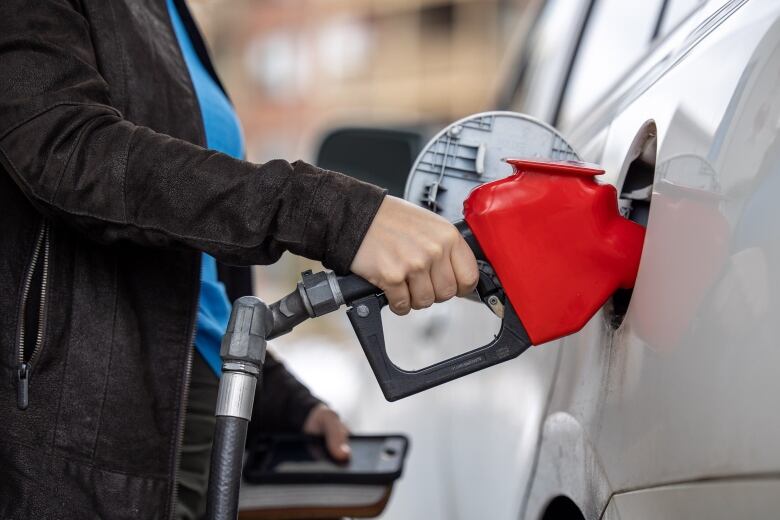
[{"x": 295, "y": 66}]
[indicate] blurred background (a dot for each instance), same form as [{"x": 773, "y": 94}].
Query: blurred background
[{"x": 296, "y": 68}]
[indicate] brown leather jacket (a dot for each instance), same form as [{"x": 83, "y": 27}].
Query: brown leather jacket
[{"x": 107, "y": 196}]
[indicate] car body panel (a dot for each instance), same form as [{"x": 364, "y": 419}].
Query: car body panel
[
  {"x": 686, "y": 388},
  {"x": 716, "y": 500}
]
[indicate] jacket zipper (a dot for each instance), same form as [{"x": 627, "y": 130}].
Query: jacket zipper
[
  {"x": 180, "y": 432},
  {"x": 183, "y": 406},
  {"x": 24, "y": 366}
]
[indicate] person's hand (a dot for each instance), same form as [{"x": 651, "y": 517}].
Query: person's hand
[
  {"x": 415, "y": 256},
  {"x": 324, "y": 421}
]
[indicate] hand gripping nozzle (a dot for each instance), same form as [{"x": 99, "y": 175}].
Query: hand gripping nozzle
[{"x": 324, "y": 292}]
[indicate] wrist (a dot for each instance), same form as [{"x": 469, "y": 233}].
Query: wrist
[{"x": 340, "y": 213}]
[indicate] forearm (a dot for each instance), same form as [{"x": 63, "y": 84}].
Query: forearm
[{"x": 117, "y": 181}]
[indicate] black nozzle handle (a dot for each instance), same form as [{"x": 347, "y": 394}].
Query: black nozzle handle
[{"x": 397, "y": 383}]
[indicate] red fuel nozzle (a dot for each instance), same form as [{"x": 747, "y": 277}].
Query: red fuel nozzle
[{"x": 557, "y": 242}]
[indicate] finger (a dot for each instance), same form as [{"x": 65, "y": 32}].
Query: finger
[
  {"x": 421, "y": 290},
  {"x": 336, "y": 438},
  {"x": 465, "y": 267},
  {"x": 398, "y": 298},
  {"x": 445, "y": 286}
]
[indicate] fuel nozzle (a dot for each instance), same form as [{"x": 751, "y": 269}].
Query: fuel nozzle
[{"x": 557, "y": 242}]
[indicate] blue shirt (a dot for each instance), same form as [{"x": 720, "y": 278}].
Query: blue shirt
[{"x": 223, "y": 134}]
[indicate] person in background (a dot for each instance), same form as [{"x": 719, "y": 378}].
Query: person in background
[{"x": 125, "y": 200}]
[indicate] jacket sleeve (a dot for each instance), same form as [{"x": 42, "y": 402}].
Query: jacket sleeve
[
  {"x": 282, "y": 403},
  {"x": 77, "y": 159}
]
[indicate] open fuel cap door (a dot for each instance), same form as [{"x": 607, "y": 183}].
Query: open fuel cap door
[{"x": 470, "y": 152}]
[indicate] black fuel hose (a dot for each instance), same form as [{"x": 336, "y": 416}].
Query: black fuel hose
[{"x": 225, "y": 472}]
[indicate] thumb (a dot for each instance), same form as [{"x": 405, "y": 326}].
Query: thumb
[{"x": 336, "y": 438}]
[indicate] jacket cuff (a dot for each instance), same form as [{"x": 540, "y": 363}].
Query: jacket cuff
[
  {"x": 299, "y": 412},
  {"x": 282, "y": 403},
  {"x": 341, "y": 210}
]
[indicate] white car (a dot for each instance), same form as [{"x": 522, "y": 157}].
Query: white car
[{"x": 667, "y": 404}]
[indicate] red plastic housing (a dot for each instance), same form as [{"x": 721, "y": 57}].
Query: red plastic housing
[{"x": 557, "y": 242}]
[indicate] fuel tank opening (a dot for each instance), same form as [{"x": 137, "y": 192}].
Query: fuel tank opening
[{"x": 634, "y": 203}]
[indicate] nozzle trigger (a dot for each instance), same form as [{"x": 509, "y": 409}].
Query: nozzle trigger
[{"x": 397, "y": 383}]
